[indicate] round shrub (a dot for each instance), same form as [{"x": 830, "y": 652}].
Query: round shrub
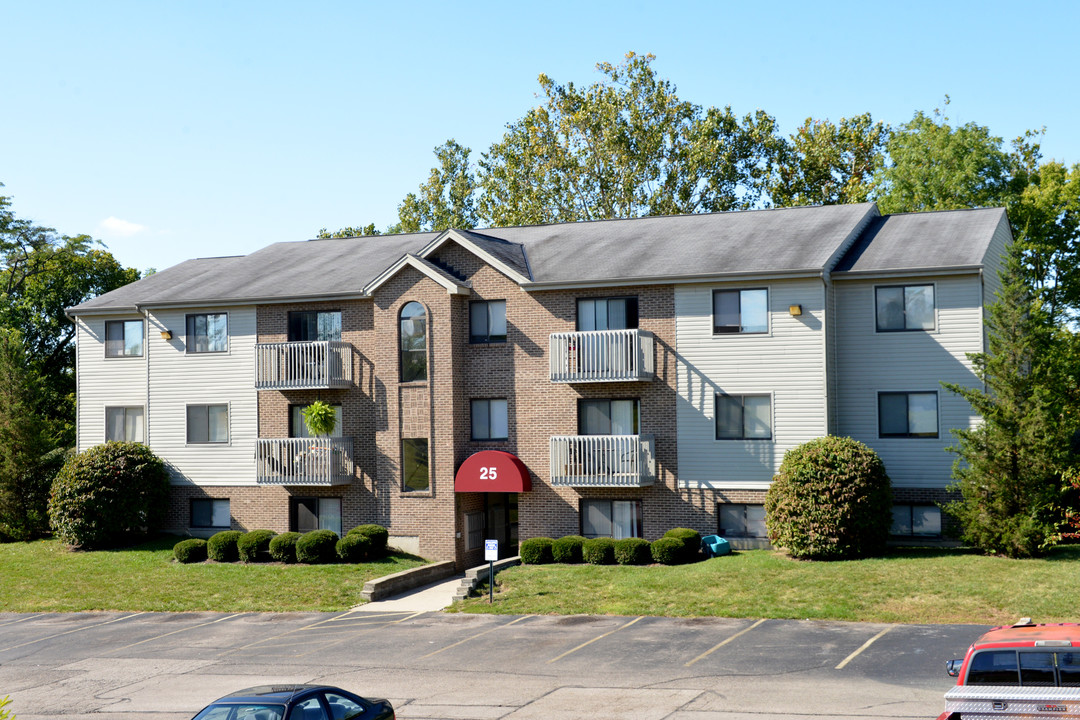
[
  {"x": 283, "y": 547},
  {"x": 353, "y": 548},
  {"x": 668, "y": 551},
  {"x": 632, "y": 551},
  {"x": 536, "y": 551},
  {"x": 691, "y": 540},
  {"x": 192, "y": 550},
  {"x": 317, "y": 546},
  {"x": 599, "y": 551},
  {"x": 830, "y": 500},
  {"x": 108, "y": 494},
  {"x": 377, "y": 534},
  {"x": 567, "y": 549},
  {"x": 221, "y": 547},
  {"x": 254, "y": 546}
]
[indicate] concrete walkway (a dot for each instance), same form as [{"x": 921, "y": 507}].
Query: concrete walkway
[{"x": 428, "y": 598}]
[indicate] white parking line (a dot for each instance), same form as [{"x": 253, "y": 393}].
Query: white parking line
[
  {"x": 174, "y": 632},
  {"x": 721, "y": 644},
  {"x": 473, "y": 637},
  {"x": 865, "y": 645},
  {"x": 19, "y": 620},
  {"x": 86, "y": 627}
]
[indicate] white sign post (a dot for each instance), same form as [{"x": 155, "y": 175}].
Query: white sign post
[{"x": 491, "y": 554}]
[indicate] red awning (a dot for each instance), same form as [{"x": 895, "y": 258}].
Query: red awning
[{"x": 492, "y": 471}]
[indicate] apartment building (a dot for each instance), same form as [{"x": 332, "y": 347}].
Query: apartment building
[{"x": 612, "y": 378}]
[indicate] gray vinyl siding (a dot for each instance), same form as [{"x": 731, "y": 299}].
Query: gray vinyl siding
[
  {"x": 787, "y": 363},
  {"x": 104, "y": 381},
  {"x": 994, "y": 262},
  {"x": 869, "y": 362},
  {"x": 180, "y": 378}
]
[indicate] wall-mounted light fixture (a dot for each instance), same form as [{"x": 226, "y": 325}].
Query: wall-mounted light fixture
[
  {"x": 166, "y": 334},
  {"x": 795, "y": 310}
]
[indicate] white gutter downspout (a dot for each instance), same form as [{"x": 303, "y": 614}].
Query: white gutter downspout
[
  {"x": 826, "y": 286},
  {"x": 146, "y": 417}
]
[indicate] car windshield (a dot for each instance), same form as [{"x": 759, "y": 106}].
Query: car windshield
[{"x": 243, "y": 711}]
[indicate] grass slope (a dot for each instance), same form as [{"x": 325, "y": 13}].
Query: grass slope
[
  {"x": 43, "y": 576},
  {"x": 909, "y": 586}
]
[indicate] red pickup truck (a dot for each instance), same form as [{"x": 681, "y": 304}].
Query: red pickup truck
[{"x": 1018, "y": 671}]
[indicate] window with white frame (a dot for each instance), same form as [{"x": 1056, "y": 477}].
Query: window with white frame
[
  {"x": 608, "y": 417},
  {"x": 307, "y": 514},
  {"x": 611, "y": 518},
  {"x": 208, "y": 333},
  {"x": 487, "y": 321},
  {"x": 907, "y": 414},
  {"x": 209, "y": 513},
  {"x": 314, "y": 325},
  {"x": 489, "y": 420},
  {"x": 916, "y": 520},
  {"x": 614, "y": 313},
  {"x": 740, "y": 311},
  {"x": 207, "y": 424},
  {"x": 743, "y": 417},
  {"x": 298, "y": 428},
  {"x": 124, "y": 424},
  {"x": 124, "y": 338},
  {"x": 741, "y": 520},
  {"x": 904, "y": 307}
]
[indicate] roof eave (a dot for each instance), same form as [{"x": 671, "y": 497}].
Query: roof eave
[
  {"x": 906, "y": 272},
  {"x": 674, "y": 279},
  {"x": 484, "y": 255}
]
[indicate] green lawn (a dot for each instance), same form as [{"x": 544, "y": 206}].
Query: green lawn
[
  {"x": 908, "y": 586},
  {"x": 43, "y": 576}
]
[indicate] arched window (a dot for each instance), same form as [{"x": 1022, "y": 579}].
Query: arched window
[{"x": 413, "y": 342}]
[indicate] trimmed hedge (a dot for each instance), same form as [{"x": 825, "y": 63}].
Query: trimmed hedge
[
  {"x": 108, "y": 495},
  {"x": 254, "y": 546},
  {"x": 283, "y": 547},
  {"x": 691, "y": 540},
  {"x": 668, "y": 551},
  {"x": 221, "y": 547},
  {"x": 632, "y": 551},
  {"x": 353, "y": 548},
  {"x": 567, "y": 549},
  {"x": 377, "y": 534},
  {"x": 192, "y": 550},
  {"x": 831, "y": 500},
  {"x": 536, "y": 551},
  {"x": 599, "y": 551},
  {"x": 316, "y": 547}
]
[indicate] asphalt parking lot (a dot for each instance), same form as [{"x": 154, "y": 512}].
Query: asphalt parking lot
[{"x": 121, "y": 666}]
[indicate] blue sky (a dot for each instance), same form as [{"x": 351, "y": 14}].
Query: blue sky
[{"x": 172, "y": 130}]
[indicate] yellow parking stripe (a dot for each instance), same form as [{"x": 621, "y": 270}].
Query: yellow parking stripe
[
  {"x": 301, "y": 629},
  {"x": 865, "y": 645},
  {"x": 473, "y": 637},
  {"x": 68, "y": 632},
  {"x": 719, "y": 645},
  {"x": 598, "y": 637},
  {"x": 19, "y": 620}
]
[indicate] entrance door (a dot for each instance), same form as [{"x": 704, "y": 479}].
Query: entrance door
[{"x": 502, "y": 521}]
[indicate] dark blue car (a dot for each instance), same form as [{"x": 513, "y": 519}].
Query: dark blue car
[{"x": 296, "y": 702}]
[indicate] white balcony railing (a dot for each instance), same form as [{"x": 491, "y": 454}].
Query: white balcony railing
[
  {"x": 300, "y": 365},
  {"x": 602, "y": 356},
  {"x": 304, "y": 461},
  {"x": 603, "y": 460}
]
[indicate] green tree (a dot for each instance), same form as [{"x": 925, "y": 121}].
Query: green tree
[
  {"x": 935, "y": 166},
  {"x": 348, "y": 232},
  {"x": 1009, "y": 466},
  {"x": 624, "y": 147},
  {"x": 24, "y": 443},
  {"x": 827, "y": 163},
  {"x": 41, "y": 274},
  {"x": 447, "y": 199}
]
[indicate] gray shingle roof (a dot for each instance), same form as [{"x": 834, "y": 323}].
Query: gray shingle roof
[
  {"x": 915, "y": 241},
  {"x": 685, "y": 246}
]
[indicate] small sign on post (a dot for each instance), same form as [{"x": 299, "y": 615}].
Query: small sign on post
[{"x": 491, "y": 554}]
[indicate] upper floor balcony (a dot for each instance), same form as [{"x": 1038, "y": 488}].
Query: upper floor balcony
[
  {"x": 602, "y": 356},
  {"x": 318, "y": 461},
  {"x": 320, "y": 365},
  {"x": 603, "y": 460}
]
